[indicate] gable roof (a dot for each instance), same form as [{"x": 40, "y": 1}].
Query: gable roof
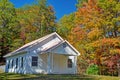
[
  {"x": 35, "y": 42},
  {"x": 71, "y": 51}
]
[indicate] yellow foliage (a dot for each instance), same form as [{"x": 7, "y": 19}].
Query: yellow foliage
[{"x": 94, "y": 34}]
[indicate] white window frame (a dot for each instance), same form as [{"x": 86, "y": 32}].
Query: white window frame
[
  {"x": 12, "y": 63},
  {"x": 16, "y": 61},
  {"x": 22, "y": 62},
  {"x": 32, "y": 62},
  {"x": 69, "y": 63},
  {"x": 8, "y": 64}
]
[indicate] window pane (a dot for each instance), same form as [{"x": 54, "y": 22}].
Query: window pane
[
  {"x": 16, "y": 62},
  {"x": 34, "y": 64},
  {"x": 22, "y": 62},
  {"x": 34, "y": 58},
  {"x": 69, "y": 63},
  {"x": 34, "y": 61},
  {"x": 8, "y": 64},
  {"x": 12, "y": 63}
]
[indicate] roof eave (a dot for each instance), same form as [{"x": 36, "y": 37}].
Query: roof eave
[
  {"x": 9, "y": 55},
  {"x": 73, "y": 48}
]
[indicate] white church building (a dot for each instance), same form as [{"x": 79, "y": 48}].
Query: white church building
[{"x": 47, "y": 55}]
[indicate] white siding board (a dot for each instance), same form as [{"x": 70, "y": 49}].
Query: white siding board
[{"x": 42, "y": 63}]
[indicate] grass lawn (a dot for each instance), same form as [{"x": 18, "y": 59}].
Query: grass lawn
[{"x": 11, "y": 76}]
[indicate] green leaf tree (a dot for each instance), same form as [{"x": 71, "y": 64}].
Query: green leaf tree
[
  {"x": 9, "y": 27},
  {"x": 36, "y": 20}
]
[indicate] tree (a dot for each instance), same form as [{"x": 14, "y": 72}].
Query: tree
[
  {"x": 64, "y": 25},
  {"x": 100, "y": 19},
  {"x": 22, "y": 25},
  {"x": 9, "y": 26},
  {"x": 80, "y": 3},
  {"x": 36, "y": 20},
  {"x": 69, "y": 30},
  {"x": 46, "y": 21},
  {"x": 110, "y": 11}
]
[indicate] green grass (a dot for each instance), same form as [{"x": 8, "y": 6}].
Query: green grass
[
  {"x": 11, "y": 76},
  {"x": 100, "y": 77}
]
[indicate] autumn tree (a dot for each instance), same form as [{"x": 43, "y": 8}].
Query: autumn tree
[
  {"x": 46, "y": 17},
  {"x": 9, "y": 26},
  {"x": 70, "y": 31},
  {"x": 80, "y": 3},
  {"x": 100, "y": 20},
  {"x": 19, "y": 26},
  {"x": 65, "y": 25},
  {"x": 36, "y": 20}
]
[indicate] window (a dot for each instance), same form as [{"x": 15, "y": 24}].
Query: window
[
  {"x": 21, "y": 62},
  {"x": 12, "y": 63},
  {"x": 8, "y": 64},
  {"x": 64, "y": 45},
  {"x": 17, "y": 63},
  {"x": 34, "y": 61},
  {"x": 69, "y": 63}
]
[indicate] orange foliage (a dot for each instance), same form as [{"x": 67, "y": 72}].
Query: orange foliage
[
  {"x": 89, "y": 15},
  {"x": 78, "y": 33}
]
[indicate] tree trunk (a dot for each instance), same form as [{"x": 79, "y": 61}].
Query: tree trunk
[{"x": 4, "y": 49}]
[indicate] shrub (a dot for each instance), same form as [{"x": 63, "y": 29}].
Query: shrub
[{"x": 92, "y": 69}]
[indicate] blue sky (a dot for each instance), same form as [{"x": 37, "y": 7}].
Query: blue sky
[{"x": 61, "y": 7}]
